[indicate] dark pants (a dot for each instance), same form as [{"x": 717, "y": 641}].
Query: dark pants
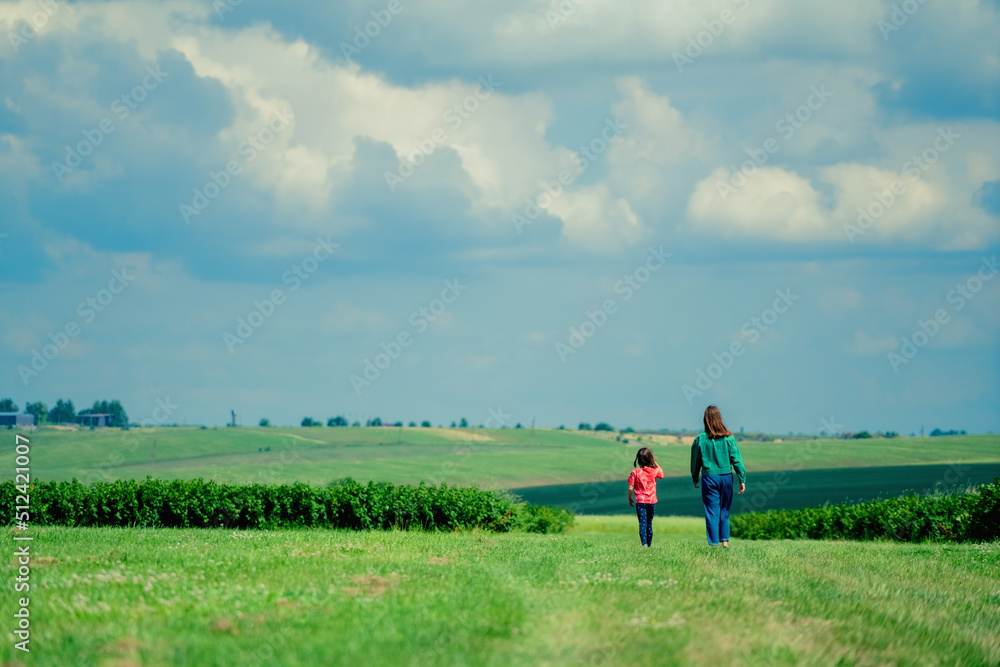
[
  {"x": 645, "y": 513},
  {"x": 717, "y": 496}
]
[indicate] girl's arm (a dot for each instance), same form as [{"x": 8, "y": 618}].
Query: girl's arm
[
  {"x": 631, "y": 503},
  {"x": 695, "y": 461}
]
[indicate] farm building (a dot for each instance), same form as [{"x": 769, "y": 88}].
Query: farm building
[
  {"x": 100, "y": 420},
  {"x": 16, "y": 419}
]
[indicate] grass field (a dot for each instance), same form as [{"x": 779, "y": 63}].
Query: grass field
[
  {"x": 489, "y": 458},
  {"x": 594, "y": 596}
]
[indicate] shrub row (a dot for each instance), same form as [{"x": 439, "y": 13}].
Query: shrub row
[
  {"x": 954, "y": 517},
  {"x": 200, "y": 504}
]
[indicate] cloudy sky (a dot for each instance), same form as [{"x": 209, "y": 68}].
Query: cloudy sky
[{"x": 577, "y": 211}]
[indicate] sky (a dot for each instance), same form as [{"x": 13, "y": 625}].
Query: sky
[{"x": 522, "y": 211}]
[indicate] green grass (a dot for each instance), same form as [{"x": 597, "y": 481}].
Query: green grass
[
  {"x": 497, "y": 458},
  {"x": 594, "y": 596}
]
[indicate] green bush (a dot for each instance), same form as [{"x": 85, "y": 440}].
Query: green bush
[
  {"x": 545, "y": 519},
  {"x": 347, "y": 504},
  {"x": 971, "y": 516}
]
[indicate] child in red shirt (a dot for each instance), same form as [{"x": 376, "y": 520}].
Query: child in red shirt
[{"x": 642, "y": 482}]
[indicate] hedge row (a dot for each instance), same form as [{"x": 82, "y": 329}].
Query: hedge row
[
  {"x": 200, "y": 504},
  {"x": 954, "y": 517}
]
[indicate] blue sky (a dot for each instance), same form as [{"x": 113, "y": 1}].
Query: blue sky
[{"x": 668, "y": 190}]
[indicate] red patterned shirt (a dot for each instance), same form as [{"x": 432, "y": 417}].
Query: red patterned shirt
[{"x": 643, "y": 480}]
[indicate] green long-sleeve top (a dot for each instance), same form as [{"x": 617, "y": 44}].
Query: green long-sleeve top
[{"x": 716, "y": 456}]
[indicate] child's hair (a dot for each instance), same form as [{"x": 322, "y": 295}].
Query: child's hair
[
  {"x": 645, "y": 458},
  {"x": 714, "y": 427}
]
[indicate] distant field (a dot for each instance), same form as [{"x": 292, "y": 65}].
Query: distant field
[
  {"x": 592, "y": 597},
  {"x": 490, "y": 458},
  {"x": 792, "y": 489}
]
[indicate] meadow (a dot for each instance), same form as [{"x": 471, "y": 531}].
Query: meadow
[
  {"x": 488, "y": 458},
  {"x": 594, "y": 596}
]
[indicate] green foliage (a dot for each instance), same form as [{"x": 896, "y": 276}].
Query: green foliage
[
  {"x": 63, "y": 412},
  {"x": 39, "y": 410},
  {"x": 309, "y": 421},
  {"x": 937, "y": 433},
  {"x": 954, "y": 517},
  {"x": 425, "y": 424},
  {"x": 862, "y": 435},
  {"x": 264, "y": 423},
  {"x": 336, "y": 421},
  {"x": 584, "y": 427},
  {"x": 346, "y": 504},
  {"x": 8, "y": 405},
  {"x": 464, "y": 423},
  {"x": 604, "y": 426},
  {"x": 545, "y": 519}
]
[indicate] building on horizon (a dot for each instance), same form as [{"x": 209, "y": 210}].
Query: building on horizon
[{"x": 16, "y": 419}]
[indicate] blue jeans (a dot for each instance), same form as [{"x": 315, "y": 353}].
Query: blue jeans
[
  {"x": 717, "y": 496},
  {"x": 645, "y": 513}
]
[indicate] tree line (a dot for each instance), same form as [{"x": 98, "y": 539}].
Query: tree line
[{"x": 64, "y": 412}]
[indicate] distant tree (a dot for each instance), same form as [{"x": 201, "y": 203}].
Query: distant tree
[
  {"x": 39, "y": 409},
  {"x": 464, "y": 423},
  {"x": 936, "y": 432},
  {"x": 8, "y": 405},
  {"x": 584, "y": 426},
  {"x": 453, "y": 424},
  {"x": 412, "y": 424},
  {"x": 425, "y": 424},
  {"x": 628, "y": 429},
  {"x": 862, "y": 435},
  {"x": 63, "y": 412},
  {"x": 891, "y": 434},
  {"x": 604, "y": 426},
  {"x": 336, "y": 421},
  {"x": 561, "y": 427},
  {"x": 264, "y": 422},
  {"x": 356, "y": 423},
  {"x": 518, "y": 425},
  {"x": 377, "y": 421},
  {"x": 308, "y": 421}
]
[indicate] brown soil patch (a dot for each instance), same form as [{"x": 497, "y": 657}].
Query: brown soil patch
[{"x": 371, "y": 585}]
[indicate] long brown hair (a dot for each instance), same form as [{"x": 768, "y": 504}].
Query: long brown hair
[
  {"x": 645, "y": 459},
  {"x": 714, "y": 427}
]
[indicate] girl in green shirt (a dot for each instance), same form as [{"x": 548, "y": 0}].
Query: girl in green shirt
[{"x": 714, "y": 455}]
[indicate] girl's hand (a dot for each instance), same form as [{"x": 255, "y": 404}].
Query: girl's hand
[{"x": 743, "y": 487}]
